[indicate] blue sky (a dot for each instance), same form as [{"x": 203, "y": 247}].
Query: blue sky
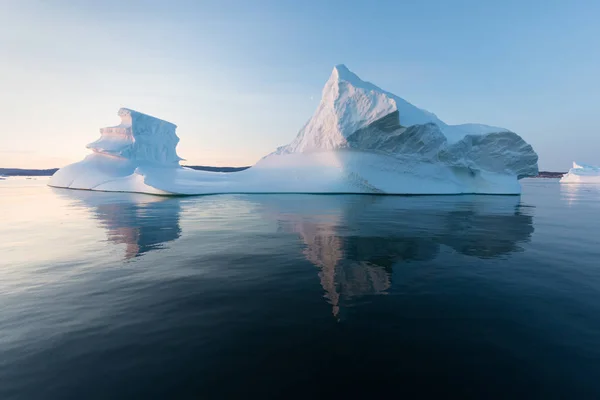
[{"x": 240, "y": 78}]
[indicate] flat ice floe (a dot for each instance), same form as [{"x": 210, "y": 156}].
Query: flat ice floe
[{"x": 361, "y": 139}]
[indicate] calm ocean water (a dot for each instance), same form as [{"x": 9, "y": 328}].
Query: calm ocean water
[{"x": 113, "y": 296}]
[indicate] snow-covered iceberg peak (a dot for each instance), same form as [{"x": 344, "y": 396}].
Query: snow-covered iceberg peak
[
  {"x": 347, "y": 105},
  {"x": 585, "y": 167},
  {"x": 139, "y": 137},
  {"x": 582, "y": 173},
  {"x": 350, "y": 105},
  {"x": 357, "y": 115}
]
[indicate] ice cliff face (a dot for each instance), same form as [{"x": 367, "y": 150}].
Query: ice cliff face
[
  {"x": 139, "y": 137},
  {"x": 121, "y": 154},
  {"x": 582, "y": 173},
  {"x": 354, "y": 114}
]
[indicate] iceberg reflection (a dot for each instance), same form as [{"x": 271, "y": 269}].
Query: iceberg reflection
[
  {"x": 574, "y": 194},
  {"x": 355, "y": 241},
  {"x": 142, "y": 223}
]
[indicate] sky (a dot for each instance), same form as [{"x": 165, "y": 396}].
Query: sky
[{"x": 240, "y": 78}]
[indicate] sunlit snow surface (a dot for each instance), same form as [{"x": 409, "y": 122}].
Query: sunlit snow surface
[
  {"x": 361, "y": 139},
  {"x": 582, "y": 173}
]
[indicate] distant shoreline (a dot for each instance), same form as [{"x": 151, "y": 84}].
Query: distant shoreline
[
  {"x": 549, "y": 174},
  {"x": 51, "y": 171}
]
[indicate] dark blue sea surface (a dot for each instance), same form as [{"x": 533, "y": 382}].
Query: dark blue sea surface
[{"x": 110, "y": 296}]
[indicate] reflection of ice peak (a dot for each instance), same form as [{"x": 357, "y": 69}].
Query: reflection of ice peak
[
  {"x": 128, "y": 236},
  {"x": 341, "y": 278},
  {"x": 355, "y": 241},
  {"x": 323, "y": 249}
]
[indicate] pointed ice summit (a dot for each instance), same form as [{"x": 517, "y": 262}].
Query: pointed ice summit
[
  {"x": 348, "y": 105},
  {"x": 354, "y": 114},
  {"x": 361, "y": 139}
]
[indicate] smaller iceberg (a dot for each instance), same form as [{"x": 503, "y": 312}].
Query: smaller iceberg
[
  {"x": 582, "y": 173},
  {"x": 125, "y": 157}
]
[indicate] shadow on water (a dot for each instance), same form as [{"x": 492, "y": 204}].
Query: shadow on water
[
  {"x": 355, "y": 241},
  {"x": 142, "y": 223}
]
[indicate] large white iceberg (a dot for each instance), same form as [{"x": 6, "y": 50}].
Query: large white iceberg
[
  {"x": 582, "y": 173},
  {"x": 361, "y": 139}
]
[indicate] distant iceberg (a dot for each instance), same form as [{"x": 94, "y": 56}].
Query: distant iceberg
[
  {"x": 361, "y": 139},
  {"x": 582, "y": 173}
]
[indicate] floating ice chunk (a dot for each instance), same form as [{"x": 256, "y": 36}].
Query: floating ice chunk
[{"x": 582, "y": 173}]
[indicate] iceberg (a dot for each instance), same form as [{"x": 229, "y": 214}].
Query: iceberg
[
  {"x": 125, "y": 156},
  {"x": 582, "y": 173},
  {"x": 361, "y": 139}
]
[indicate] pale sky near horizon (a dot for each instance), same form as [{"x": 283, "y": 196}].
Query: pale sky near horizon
[{"x": 240, "y": 78}]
